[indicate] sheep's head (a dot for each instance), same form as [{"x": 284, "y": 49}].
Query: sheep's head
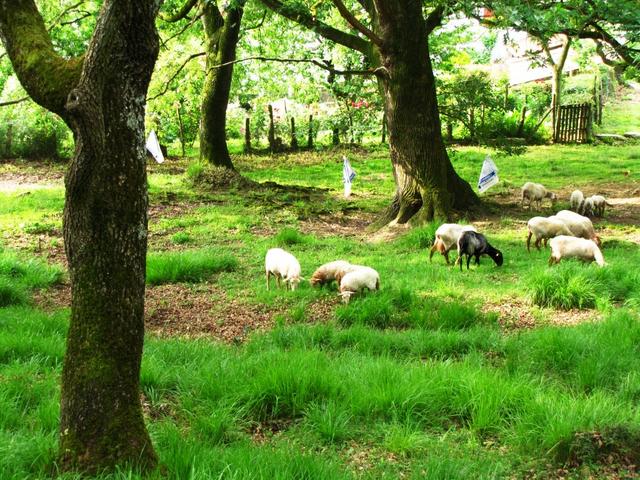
[
  {"x": 497, "y": 257},
  {"x": 294, "y": 282},
  {"x": 552, "y": 196},
  {"x": 346, "y": 295}
]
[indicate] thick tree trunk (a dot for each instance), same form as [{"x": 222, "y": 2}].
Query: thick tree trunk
[
  {"x": 101, "y": 96},
  {"x": 221, "y": 40},
  {"x": 105, "y": 232},
  {"x": 425, "y": 179}
]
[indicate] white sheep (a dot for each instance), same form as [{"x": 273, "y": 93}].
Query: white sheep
[
  {"x": 357, "y": 280},
  {"x": 329, "y": 272},
  {"x": 599, "y": 202},
  {"x": 564, "y": 246},
  {"x": 587, "y": 207},
  {"x": 447, "y": 236},
  {"x": 282, "y": 265},
  {"x": 579, "y": 225},
  {"x": 544, "y": 228},
  {"x": 576, "y": 200},
  {"x": 536, "y": 192}
]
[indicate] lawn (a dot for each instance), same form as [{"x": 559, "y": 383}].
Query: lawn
[{"x": 520, "y": 371}]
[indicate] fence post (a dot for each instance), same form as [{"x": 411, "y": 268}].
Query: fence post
[
  {"x": 294, "y": 140},
  {"x": 310, "y": 137},
  {"x": 247, "y": 135},
  {"x": 272, "y": 131}
]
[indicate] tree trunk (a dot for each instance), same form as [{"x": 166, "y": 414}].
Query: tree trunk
[
  {"x": 555, "y": 101},
  {"x": 425, "y": 179},
  {"x": 247, "y": 135},
  {"x": 310, "y": 136},
  {"x": 105, "y": 232},
  {"x": 294, "y": 139},
  {"x": 101, "y": 96},
  {"x": 221, "y": 40}
]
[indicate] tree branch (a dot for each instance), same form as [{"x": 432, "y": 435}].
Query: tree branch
[
  {"x": 62, "y": 14},
  {"x": 434, "y": 19},
  {"x": 304, "y": 18},
  {"x": 46, "y": 76},
  {"x": 259, "y": 24},
  {"x": 176, "y": 73},
  {"x": 355, "y": 23},
  {"x": 163, "y": 43},
  {"x": 180, "y": 14},
  {"x": 325, "y": 65},
  {"x": 13, "y": 102}
]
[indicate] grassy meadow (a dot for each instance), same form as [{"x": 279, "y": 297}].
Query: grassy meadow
[{"x": 522, "y": 371}]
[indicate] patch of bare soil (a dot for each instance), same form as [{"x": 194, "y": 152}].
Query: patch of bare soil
[
  {"x": 32, "y": 175},
  {"x": 346, "y": 224},
  {"x": 202, "y": 310},
  {"x": 517, "y": 314},
  {"x": 54, "y": 298}
]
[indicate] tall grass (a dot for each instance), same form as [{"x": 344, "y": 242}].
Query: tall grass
[{"x": 187, "y": 266}]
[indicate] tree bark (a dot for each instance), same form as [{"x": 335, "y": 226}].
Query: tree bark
[
  {"x": 221, "y": 40},
  {"x": 425, "y": 179},
  {"x": 105, "y": 222}
]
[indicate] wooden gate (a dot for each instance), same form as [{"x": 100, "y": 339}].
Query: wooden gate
[{"x": 573, "y": 124}]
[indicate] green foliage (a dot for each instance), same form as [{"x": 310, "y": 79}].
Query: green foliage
[
  {"x": 187, "y": 266},
  {"x": 291, "y": 236}
]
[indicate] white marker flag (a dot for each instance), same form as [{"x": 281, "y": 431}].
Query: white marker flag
[
  {"x": 488, "y": 175},
  {"x": 153, "y": 145},
  {"x": 347, "y": 176}
]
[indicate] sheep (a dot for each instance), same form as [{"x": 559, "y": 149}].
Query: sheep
[
  {"x": 564, "y": 246},
  {"x": 329, "y": 272},
  {"x": 587, "y": 206},
  {"x": 447, "y": 236},
  {"x": 544, "y": 228},
  {"x": 580, "y": 226},
  {"x": 599, "y": 202},
  {"x": 282, "y": 265},
  {"x": 357, "y": 280},
  {"x": 475, "y": 244},
  {"x": 576, "y": 200},
  {"x": 535, "y": 192}
]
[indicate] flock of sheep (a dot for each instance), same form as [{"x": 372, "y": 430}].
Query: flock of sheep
[{"x": 569, "y": 233}]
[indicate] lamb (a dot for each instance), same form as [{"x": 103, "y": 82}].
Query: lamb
[
  {"x": 327, "y": 273},
  {"x": 544, "y": 228},
  {"x": 282, "y": 265},
  {"x": 536, "y": 192},
  {"x": 599, "y": 202},
  {"x": 587, "y": 206},
  {"x": 579, "y": 225},
  {"x": 475, "y": 244},
  {"x": 357, "y": 280},
  {"x": 447, "y": 236},
  {"x": 564, "y": 246},
  {"x": 576, "y": 200}
]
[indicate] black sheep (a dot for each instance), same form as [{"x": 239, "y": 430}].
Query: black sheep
[{"x": 475, "y": 244}]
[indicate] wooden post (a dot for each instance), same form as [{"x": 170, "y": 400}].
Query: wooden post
[
  {"x": 181, "y": 127},
  {"x": 294, "y": 140},
  {"x": 310, "y": 136},
  {"x": 247, "y": 135},
  {"x": 272, "y": 131},
  {"x": 384, "y": 127},
  {"x": 523, "y": 117}
]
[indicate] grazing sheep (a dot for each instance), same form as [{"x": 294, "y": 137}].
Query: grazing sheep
[
  {"x": 599, "y": 202},
  {"x": 447, "y": 236},
  {"x": 587, "y": 207},
  {"x": 327, "y": 273},
  {"x": 576, "y": 200},
  {"x": 282, "y": 265},
  {"x": 357, "y": 280},
  {"x": 536, "y": 192},
  {"x": 544, "y": 228},
  {"x": 475, "y": 244},
  {"x": 580, "y": 226},
  {"x": 567, "y": 247}
]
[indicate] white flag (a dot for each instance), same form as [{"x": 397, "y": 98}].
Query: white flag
[
  {"x": 348, "y": 175},
  {"x": 488, "y": 175},
  {"x": 153, "y": 145}
]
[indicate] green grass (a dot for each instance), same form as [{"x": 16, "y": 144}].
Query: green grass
[
  {"x": 187, "y": 266},
  {"x": 425, "y": 378}
]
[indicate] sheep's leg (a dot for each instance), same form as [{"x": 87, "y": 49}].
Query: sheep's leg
[
  {"x": 529, "y": 241},
  {"x": 537, "y": 243},
  {"x": 459, "y": 260},
  {"x": 477, "y": 259},
  {"x": 544, "y": 242},
  {"x": 446, "y": 256},
  {"x": 278, "y": 280},
  {"x": 468, "y": 260},
  {"x": 267, "y": 279},
  {"x": 433, "y": 249}
]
